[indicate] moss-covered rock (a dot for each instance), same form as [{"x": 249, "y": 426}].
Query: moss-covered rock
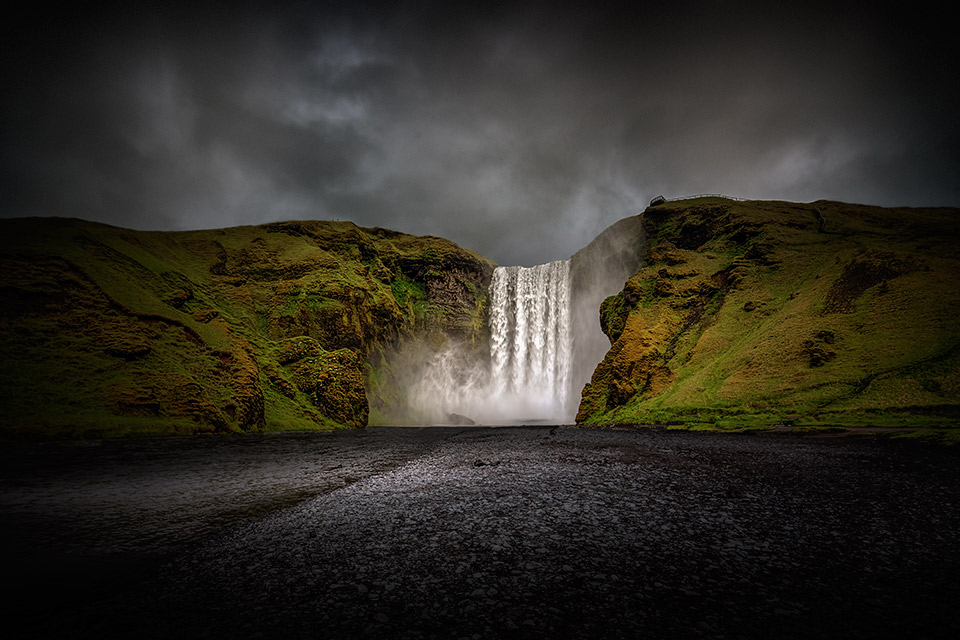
[
  {"x": 334, "y": 382},
  {"x": 746, "y": 312},
  {"x": 107, "y": 331}
]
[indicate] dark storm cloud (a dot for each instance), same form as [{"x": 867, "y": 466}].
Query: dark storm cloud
[{"x": 518, "y": 131}]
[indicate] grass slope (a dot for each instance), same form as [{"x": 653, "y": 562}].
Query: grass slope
[
  {"x": 107, "y": 331},
  {"x": 750, "y": 314}
]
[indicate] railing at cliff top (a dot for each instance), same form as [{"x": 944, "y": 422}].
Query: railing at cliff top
[{"x": 705, "y": 195}]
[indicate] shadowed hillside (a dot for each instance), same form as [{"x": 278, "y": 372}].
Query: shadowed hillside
[
  {"x": 107, "y": 331},
  {"x": 759, "y": 313}
]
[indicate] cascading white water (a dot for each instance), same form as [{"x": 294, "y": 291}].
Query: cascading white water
[
  {"x": 528, "y": 374},
  {"x": 530, "y": 339},
  {"x": 545, "y": 341}
]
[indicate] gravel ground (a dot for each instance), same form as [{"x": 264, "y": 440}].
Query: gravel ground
[{"x": 484, "y": 533}]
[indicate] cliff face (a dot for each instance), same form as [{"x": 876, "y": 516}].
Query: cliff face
[
  {"x": 107, "y": 331},
  {"x": 597, "y": 271},
  {"x": 757, "y": 313}
]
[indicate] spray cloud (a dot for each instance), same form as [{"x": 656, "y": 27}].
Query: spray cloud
[{"x": 545, "y": 340}]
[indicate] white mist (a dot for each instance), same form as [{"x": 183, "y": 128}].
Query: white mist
[{"x": 545, "y": 340}]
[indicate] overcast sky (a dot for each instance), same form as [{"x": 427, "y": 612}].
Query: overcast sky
[{"x": 518, "y": 131}]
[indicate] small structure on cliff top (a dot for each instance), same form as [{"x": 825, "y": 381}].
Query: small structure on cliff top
[{"x": 657, "y": 200}]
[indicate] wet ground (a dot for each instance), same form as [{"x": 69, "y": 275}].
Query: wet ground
[{"x": 483, "y": 533}]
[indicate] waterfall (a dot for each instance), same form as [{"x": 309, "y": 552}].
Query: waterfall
[
  {"x": 530, "y": 339},
  {"x": 545, "y": 340}
]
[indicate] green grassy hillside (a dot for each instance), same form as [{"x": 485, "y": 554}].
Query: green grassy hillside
[
  {"x": 758, "y": 313},
  {"x": 106, "y": 331}
]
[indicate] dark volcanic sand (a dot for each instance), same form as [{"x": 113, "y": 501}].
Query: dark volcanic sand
[{"x": 483, "y": 533}]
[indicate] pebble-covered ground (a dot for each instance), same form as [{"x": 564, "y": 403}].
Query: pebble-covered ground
[{"x": 484, "y": 533}]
